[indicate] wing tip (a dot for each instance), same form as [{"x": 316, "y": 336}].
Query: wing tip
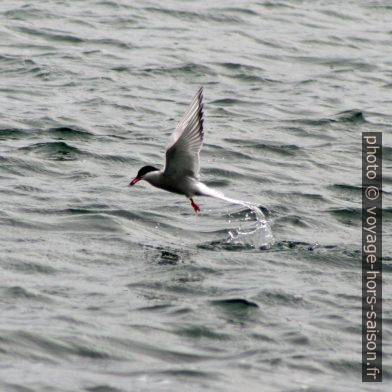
[
  {"x": 201, "y": 112},
  {"x": 199, "y": 93}
]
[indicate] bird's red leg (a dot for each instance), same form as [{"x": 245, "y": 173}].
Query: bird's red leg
[{"x": 194, "y": 205}]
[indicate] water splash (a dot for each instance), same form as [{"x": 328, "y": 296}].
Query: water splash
[
  {"x": 255, "y": 232},
  {"x": 254, "y": 229}
]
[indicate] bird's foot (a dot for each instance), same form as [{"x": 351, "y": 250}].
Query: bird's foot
[{"x": 195, "y": 206}]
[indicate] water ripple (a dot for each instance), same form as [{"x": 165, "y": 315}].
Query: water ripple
[{"x": 105, "y": 286}]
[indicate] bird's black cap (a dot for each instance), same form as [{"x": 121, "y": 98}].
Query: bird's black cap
[{"x": 144, "y": 170}]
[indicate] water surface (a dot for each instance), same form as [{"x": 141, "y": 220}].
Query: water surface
[{"x": 110, "y": 288}]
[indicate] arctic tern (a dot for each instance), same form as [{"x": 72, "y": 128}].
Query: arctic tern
[{"x": 181, "y": 172}]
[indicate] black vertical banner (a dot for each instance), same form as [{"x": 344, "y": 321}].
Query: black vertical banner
[{"x": 371, "y": 256}]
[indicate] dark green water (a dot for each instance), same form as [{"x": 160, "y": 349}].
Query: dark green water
[{"x": 109, "y": 288}]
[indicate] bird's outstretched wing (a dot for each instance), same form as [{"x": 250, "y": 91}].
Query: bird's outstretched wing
[{"x": 184, "y": 145}]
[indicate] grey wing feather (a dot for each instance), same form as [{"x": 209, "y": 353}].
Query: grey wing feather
[{"x": 184, "y": 145}]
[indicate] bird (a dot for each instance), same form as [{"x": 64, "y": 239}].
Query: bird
[{"x": 181, "y": 173}]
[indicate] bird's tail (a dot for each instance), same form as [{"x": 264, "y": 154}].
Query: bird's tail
[{"x": 206, "y": 191}]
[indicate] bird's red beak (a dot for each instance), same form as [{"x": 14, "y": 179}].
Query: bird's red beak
[{"x": 134, "y": 181}]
